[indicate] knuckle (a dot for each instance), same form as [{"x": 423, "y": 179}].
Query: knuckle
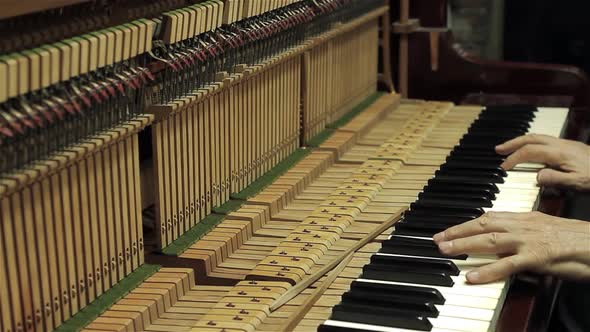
[
  {"x": 512, "y": 263},
  {"x": 493, "y": 239},
  {"x": 484, "y": 220}
]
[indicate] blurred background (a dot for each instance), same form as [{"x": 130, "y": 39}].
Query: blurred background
[{"x": 545, "y": 31}]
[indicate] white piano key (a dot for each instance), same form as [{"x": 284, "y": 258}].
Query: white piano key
[
  {"x": 459, "y": 324},
  {"x": 470, "y": 262},
  {"x": 548, "y": 121},
  {"x": 441, "y": 323},
  {"x": 475, "y": 307},
  {"x": 375, "y": 327},
  {"x": 466, "y": 301},
  {"x": 473, "y": 291},
  {"x": 459, "y": 311}
]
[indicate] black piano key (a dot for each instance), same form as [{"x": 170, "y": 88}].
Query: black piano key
[
  {"x": 414, "y": 247},
  {"x": 485, "y": 137},
  {"x": 439, "y": 185},
  {"x": 465, "y": 178},
  {"x": 454, "y": 199},
  {"x": 492, "y": 159},
  {"x": 469, "y": 151},
  {"x": 481, "y": 128},
  {"x": 419, "y": 229},
  {"x": 474, "y": 165},
  {"x": 470, "y": 175},
  {"x": 402, "y": 305},
  {"x": 434, "y": 218},
  {"x": 495, "y": 173},
  {"x": 503, "y": 125},
  {"x": 387, "y": 273},
  {"x": 512, "y": 109},
  {"x": 499, "y": 116},
  {"x": 417, "y": 264},
  {"x": 330, "y": 328},
  {"x": 382, "y": 317},
  {"x": 421, "y": 208},
  {"x": 426, "y": 294},
  {"x": 509, "y": 133},
  {"x": 458, "y": 190}
]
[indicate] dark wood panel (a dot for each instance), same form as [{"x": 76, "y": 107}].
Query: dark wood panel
[{"x": 12, "y": 8}]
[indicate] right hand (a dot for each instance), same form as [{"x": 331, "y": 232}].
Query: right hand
[{"x": 568, "y": 161}]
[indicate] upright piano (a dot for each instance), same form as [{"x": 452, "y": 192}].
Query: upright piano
[{"x": 249, "y": 165}]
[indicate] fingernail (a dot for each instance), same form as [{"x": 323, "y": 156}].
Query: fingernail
[
  {"x": 473, "y": 276},
  {"x": 438, "y": 237},
  {"x": 445, "y": 246}
]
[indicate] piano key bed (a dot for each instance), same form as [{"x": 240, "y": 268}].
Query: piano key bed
[
  {"x": 329, "y": 202},
  {"x": 408, "y": 284}
]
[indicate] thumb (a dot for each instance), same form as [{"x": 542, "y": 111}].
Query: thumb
[{"x": 551, "y": 177}]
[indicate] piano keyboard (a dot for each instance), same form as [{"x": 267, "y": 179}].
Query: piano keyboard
[{"x": 409, "y": 285}]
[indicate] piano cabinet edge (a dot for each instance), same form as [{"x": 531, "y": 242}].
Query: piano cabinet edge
[{"x": 459, "y": 74}]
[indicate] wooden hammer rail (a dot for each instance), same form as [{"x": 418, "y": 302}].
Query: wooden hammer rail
[
  {"x": 216, "y": 122},
  {"x": 389, "y": 200},
  {"x": 288, "y": 264},
  {"x": 275, "y": 198},
  {"x": 338, "y": 73},
  {"x": 10, "y": 183},
  {"x": 226, "y": 141},
  {"x": 402, "y": 188},
  {"x": 76, "y": 218},
  {"x": 243, "y": 71},
  {"x": 180, "y": 316}
]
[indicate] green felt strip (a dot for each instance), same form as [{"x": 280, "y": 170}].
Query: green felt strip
[
  {"x": 108, "y": 299},
  {"x": 270, "y": 176},
  {"x": 331, "y": 128},
  {"x": 198, "y": 231},
  {"x": 346, "y": 118},
  {"x": 320, "y": 138},
  {"x": 229, "y": 206}
]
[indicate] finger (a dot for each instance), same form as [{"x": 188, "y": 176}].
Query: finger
[
  {"x": 570, "y": 270},
  {"x": 498, "y": 270},
  {"x": 489, "y": 243},
  {"x": 516, "y": 143},
  {"x": 551, "y": 177},
  {"x": 489, "y": 222},
  {"x": 532, "y": 153}
]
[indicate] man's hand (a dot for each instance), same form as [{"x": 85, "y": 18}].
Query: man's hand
[
  {"x": 568, "y": 161},
  {"x": 526, "y": 241}
]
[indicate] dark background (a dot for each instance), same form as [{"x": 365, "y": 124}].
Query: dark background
[{"x": 548, "y": 31}]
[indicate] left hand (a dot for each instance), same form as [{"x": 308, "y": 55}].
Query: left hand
[{"x": 525, "y": 241}]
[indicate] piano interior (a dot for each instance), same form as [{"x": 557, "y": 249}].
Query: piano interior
[{"x": 249, "y": 165}]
